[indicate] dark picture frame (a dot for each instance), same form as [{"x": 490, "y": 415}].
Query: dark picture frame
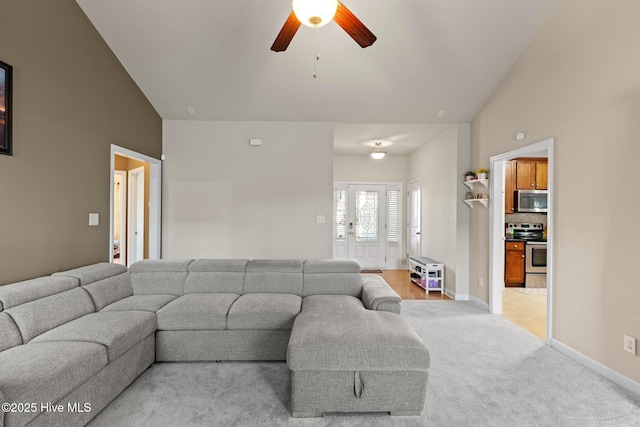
[{"x": 6, "y": 84}]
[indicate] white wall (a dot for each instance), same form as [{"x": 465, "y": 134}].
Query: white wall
[
  {"x": 579, "y": 83},
  {"x": 440, "y": 164},
  {"x": 362, "y": 168},
  {"x": 223, "y": 198}
]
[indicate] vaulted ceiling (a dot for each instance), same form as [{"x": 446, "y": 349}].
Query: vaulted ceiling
[{"x": 213, "y": 58}]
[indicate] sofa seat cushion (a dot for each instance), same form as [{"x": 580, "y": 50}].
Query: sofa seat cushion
[
  {"x": 264, "y": 311},
  {"x": 151, "y": 303},
  {"x": 196, "y": 312},
  {"x": 46, "y": 372},
  {"x": 336, "y": 333},
  {"x": 118, "y": 331}
]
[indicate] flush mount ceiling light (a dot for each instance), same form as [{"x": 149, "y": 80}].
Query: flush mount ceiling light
[
  {"x": 378, "y": 152},
  {"x": 315, "y": 13}
]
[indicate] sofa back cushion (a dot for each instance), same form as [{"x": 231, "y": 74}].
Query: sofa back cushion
[
  {"x": 31, "y": 290},
  {"x": 36, "y": 317},
  {"x": 332, "y": 277},
  {"x": 94, "y": 272},
  {"x": 216, "y": 275},
  {"x": 149, "y": 277},
  {"x": 277, "y": 276},
  {"x": 105, "y": 282},
  {"x": 9, "y": 333}
]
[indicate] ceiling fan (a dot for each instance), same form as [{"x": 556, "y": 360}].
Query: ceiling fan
[{"x": 316, "y": 13}]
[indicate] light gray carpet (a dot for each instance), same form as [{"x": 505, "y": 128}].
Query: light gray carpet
[{"x": 485, "y": 371}]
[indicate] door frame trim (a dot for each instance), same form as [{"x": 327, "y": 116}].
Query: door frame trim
[
  {"x": 155, "y": 192},
  {"x": 497, "y": 221}
]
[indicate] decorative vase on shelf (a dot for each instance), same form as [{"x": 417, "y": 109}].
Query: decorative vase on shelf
[{"x": 481, "y": 173}]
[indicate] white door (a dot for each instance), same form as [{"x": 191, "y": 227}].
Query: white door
[
  {"x": 414, "y": 212},
  {"x": 135, "y": 233},
  {"x": 366, "y": 228}
]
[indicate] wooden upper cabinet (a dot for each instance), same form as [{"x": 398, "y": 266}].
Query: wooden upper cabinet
[
  {"x": 509, "y": 186},
  {"x": 531, "y": 174},
  {"x": 542, "y": 169}
]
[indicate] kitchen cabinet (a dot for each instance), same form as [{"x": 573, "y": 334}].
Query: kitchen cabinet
[
  {"x": 531, "y": 174},
  {"x": 509, "y": 187},
  {"x": 514, "y": 263}
]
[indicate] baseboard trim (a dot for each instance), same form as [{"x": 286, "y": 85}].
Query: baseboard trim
[
  {"x": 597, "y": 367},
  {"x": 479, "y": 303},
  {"x": 454, "y": 296}
]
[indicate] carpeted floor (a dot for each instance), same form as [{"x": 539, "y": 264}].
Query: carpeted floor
[{"x": 485, "y": 371}]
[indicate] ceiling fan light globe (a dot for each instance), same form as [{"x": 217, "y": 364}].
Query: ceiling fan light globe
[
  {"x": 378, "y": 155},
  {"x": 315, "y": 13}
]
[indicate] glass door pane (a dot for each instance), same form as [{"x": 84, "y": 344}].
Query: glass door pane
[{"x": 366, "y": 226}]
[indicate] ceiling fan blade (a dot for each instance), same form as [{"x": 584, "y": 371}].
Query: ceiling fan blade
[
  {"x": 286, "y": 34},
  {"x": 353, "y": 26}
]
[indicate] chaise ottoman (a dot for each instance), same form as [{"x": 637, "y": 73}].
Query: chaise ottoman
[{"x": 346, "y": 358}]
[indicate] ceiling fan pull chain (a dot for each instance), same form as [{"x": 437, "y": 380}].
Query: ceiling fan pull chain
[{"x": 316, "y": 56}]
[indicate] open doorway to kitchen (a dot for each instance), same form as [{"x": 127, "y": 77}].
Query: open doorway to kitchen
[
  {"x": 135, "y": 206},
  {"x": 529, "y": 303}
]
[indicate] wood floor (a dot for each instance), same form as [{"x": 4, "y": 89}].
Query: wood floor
[
  {"x": 527, "y": 311},
  {"x": 399, "y": 281}
]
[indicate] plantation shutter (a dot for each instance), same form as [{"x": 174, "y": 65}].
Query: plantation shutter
[
  {"x": 341, "y": 214},
  {"x": 393, "y": 223}
]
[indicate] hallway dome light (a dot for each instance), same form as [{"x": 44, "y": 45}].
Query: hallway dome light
[{"x": 378, "y": 152}]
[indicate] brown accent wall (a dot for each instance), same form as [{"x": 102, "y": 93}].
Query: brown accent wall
[{"x": 72, "y": 100}]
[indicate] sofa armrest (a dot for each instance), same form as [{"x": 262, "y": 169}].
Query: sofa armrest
[{"x": 378, "y": 295}]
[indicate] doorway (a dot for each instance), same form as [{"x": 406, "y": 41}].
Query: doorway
[
  {"x": 137, "y": 216},
  {"x": 497, "y": 227},
  {"x": 414, "y": 215},
  {"x": 135, "y": 206},
  {"x": 119, "y": 216},
  {"x": 368, "y": 218}
]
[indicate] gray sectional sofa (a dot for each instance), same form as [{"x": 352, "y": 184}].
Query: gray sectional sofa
[{"x": 71, "y": 342}]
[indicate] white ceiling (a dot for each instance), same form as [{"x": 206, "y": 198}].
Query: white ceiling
[{"x": 214, "y": 56}]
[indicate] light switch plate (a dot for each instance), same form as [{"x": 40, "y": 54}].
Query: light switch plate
[
  {"x": 320, "y": 219},
  {"x": 94, "y": 219}
]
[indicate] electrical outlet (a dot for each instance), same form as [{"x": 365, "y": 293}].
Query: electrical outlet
[
  {"x": 480, "y": 282},
  {"x": 630, "y": 344}
]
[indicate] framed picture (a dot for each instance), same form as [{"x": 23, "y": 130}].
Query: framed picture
[{"x": 5, "y": 108}]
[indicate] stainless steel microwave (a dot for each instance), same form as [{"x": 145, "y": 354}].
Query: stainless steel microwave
[{"x": 531, "y": 200}]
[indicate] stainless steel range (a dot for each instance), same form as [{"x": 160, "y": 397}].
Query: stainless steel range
[
  {"x": 535, "y": 253},
  {"x": 525, "y": 231}
]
